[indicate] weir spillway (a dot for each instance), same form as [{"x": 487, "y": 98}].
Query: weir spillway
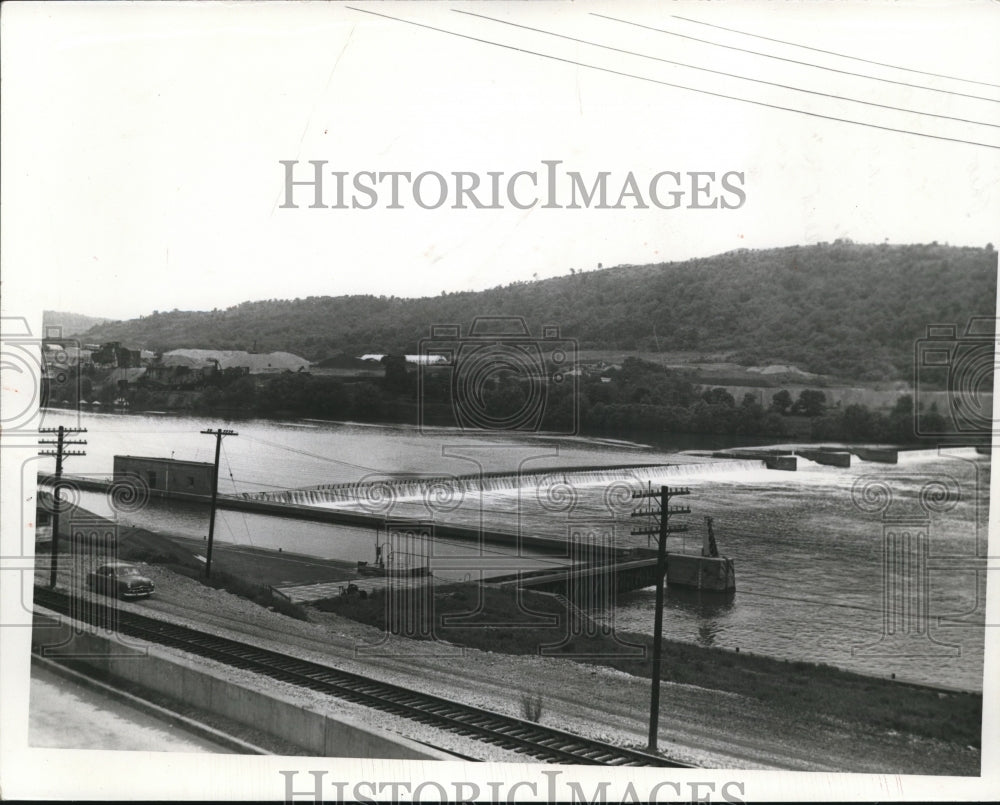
[
  {"x": 373, "y": 493},
  {"x": 368, "y": 503}
]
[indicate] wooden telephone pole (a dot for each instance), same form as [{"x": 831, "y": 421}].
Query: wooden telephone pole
[
  {"x": 661, "y": 528},
  {"x": 60, "y": 453},
  {"x": 218, "y": 433}
]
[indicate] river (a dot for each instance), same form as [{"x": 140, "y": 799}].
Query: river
[{"x": 809, "y": 547}]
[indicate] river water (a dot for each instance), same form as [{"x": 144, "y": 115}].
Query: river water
[{"x": 875, "y": 568}]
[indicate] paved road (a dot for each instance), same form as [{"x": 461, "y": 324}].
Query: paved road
[{"x": 66, "y": 715}]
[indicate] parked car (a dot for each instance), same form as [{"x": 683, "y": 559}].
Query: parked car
[{"x": 121, "y": 580}]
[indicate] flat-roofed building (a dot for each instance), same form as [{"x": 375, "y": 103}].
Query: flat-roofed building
[{"x": 168, "y": 475}]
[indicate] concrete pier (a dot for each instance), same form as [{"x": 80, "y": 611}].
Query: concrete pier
[
  {"x": 717, "y": 574},
  {"x": 773, "y": 460},
  {"x": 882, "y": 455},
  {"x": 833, "y": 458}
]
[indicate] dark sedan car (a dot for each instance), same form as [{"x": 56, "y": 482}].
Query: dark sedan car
[{"x": 121, "y": 580}]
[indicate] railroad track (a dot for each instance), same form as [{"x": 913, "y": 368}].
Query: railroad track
[{"x": 543, "y": 743}]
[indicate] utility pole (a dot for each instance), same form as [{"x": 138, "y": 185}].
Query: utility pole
[
  {"x": 662, "y": 528},
  {"x": 60, "y": 453},
  {"x": 218, "y": 433}
]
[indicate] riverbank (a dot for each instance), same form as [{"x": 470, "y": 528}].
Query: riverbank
[
  {"x": 700, "y": 724},
  {"x": 804, "y": 692},
  {"x": 804, "y": 688}
]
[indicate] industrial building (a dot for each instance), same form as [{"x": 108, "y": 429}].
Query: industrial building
[{"x": 168, "y": 475}]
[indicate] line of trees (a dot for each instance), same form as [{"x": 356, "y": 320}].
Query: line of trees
[{"x": 639, "y": 397}]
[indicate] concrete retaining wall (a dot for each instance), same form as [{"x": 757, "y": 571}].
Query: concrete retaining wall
[{"x": 156, "y": 670}]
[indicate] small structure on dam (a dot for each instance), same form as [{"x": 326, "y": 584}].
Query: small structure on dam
[
  {"x": 708, "y": 571},
  {"x": 773, "y": 459}
]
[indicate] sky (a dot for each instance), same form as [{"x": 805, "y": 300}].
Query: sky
[{"x": 143, "y": 142}]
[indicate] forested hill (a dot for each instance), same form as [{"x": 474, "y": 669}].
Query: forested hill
[
  {"x": 845, "y": 309},
  {"x": 71, "y": 323}
]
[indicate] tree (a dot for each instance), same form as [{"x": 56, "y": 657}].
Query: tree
[
  {"x": 719, "y": 396},
  {"x": 781, "y": 402},
  {"x": 396, "y": 376},
  {"x": 932, "y": 422},
  {"x": 858, "y": 422},
  {"x": 900, "y": 421},
  {"x": 810, "y": 403}
]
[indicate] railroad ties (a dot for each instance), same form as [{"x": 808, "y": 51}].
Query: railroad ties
[{"x": 546, "y": 744}]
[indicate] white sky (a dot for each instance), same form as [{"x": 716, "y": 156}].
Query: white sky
[
  {"x": 140, "y": 149},
  {"x": 141, "y": 142}
]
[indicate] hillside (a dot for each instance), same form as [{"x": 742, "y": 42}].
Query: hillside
[
  {"x": 71, "y": 323},
  {"x": 843, "y": 309}
]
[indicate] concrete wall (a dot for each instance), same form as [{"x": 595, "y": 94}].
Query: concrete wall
[
  {"x": 155, "y": 669},
  {"x": 701, "y": 572},
  {"x": 788, "y": 463}
]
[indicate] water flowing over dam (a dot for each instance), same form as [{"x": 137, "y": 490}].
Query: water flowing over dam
[{"x": 383, "y": 490}]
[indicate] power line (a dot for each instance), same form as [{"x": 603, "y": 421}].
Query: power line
[
  {"x": 678, "y": 86},
  {"x": 794, "y": 61},
  {"x": 229, "y": 467},
  {"x": 314, "y": 455},
  {"x": 840, "y": 55},
  {"x": 731, "y": 75}
]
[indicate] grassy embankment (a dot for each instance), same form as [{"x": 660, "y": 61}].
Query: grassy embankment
[{"x": 807, "y": 689}]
